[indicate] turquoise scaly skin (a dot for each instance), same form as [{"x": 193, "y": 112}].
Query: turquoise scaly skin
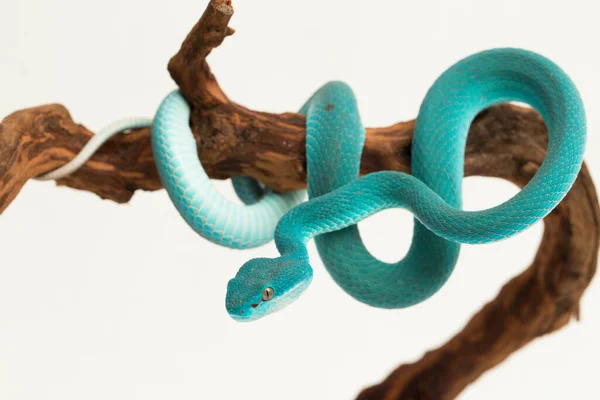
[
  {"x": 338, "y": 199},
  {"x": 205, "y": 210}
]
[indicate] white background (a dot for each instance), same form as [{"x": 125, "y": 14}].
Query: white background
[{"x": 107, "y": 301}]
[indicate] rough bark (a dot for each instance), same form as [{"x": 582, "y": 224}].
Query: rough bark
[{"x": 505, "y": 141}]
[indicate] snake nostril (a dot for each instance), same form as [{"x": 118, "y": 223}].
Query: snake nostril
[
  {"x": 241, "y": 312},
  {"x": 254, "y": 305}
]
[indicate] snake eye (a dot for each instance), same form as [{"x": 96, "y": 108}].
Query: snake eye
[{"x": 267, "y": 294}]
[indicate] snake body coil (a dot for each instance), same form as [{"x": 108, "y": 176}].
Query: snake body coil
[
  {"x": 199, "y": 203},
  {"x": 339, "y": 199}
]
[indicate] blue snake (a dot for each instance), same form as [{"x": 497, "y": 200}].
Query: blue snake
[{"x": 339, "y": 199}]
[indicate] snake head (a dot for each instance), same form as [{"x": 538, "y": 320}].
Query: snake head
[{"x": 266, "y": 285}]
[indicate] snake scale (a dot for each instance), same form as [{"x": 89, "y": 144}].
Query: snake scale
[{"x": 339, "y": 199}]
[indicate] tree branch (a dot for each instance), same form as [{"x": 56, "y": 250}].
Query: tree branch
[{"x": 504, "y": 141}]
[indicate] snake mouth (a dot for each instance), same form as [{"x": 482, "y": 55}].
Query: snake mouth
[{"x": 255, "y": 305}]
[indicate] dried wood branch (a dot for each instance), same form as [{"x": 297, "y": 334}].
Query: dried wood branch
[{"x": 504, "y": 141}]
